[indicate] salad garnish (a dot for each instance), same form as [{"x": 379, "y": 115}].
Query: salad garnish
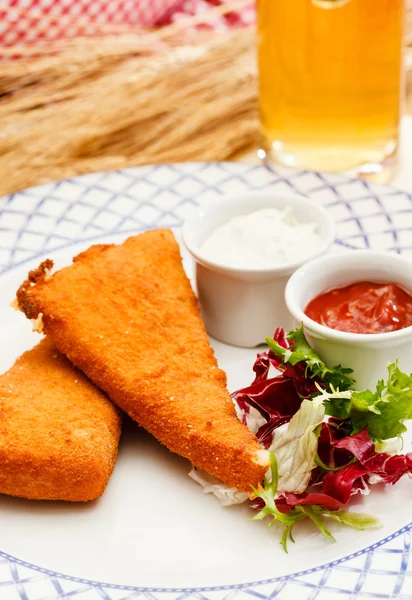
[
  {"x": 316, "y": 513},
  {"x": 294, "y": 348},
  {"x": 327, "y": 441}
]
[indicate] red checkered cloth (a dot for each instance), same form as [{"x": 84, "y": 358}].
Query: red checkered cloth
[
  {"x": 29, "y": 21},
  {"x": 239, "y": 18}
]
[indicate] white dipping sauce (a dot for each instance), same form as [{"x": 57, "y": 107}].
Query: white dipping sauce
[{"x": 265, "y": 238}]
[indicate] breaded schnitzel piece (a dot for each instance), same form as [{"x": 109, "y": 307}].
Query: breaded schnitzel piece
[
  {"x": 127, "y": 316},
  {"x": 59, "y": 434}
]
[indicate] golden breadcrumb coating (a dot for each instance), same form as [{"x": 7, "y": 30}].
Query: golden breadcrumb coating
[
  {"x": 59, "y": 434},
  {"x": 127, "y": 316}
]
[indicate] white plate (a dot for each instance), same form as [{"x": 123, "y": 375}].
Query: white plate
[{"x": 154, "y": 533}]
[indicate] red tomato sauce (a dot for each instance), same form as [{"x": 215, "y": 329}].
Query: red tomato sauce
[{"x": 363, "y": 307}]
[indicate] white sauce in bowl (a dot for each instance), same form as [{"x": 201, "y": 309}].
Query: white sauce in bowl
[{"x": 266, "y": 238}]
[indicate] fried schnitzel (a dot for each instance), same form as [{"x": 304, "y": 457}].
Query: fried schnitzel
[
  {"x": 59, "y": 434},
  {"x": 127, "y": 316}
]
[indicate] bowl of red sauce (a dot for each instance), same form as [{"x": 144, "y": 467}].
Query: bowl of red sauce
[{"x": 356, "y": 309}]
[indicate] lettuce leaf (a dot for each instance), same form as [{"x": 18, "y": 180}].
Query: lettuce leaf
[
  {"x": 385, "y": 410},
  {"x": 300, "y": 351},
  {"x": 296, "y": 448}
]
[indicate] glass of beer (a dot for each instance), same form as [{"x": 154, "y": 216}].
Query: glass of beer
[{"x": 330, "y": 83}]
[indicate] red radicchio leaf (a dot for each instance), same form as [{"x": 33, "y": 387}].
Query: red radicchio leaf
[
  {"x": 331, "y": 432},
  {"x": 389, "y": 468},
  {"x": 304, "y": 386},
  {"x": 288, "y": 501},
  {"x": 360, "y": 445},
  {"x": 280, "y": 338},
  {"x": 316, "y": 477},
  {"x": 265, "y": 433},
  {"x": 342, "y": 484},
  {"x": 276, "y": 398},
  {"x": 265, "y": 359},
  {"x": 348, "y": 480}
]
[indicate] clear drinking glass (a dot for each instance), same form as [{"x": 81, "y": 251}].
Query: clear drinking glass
[{"x": 330, "y": 82}]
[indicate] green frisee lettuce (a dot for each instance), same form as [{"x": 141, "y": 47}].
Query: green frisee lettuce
[
  {"x": 384, "y": 411},
  {"x": 337, "y": 376}
]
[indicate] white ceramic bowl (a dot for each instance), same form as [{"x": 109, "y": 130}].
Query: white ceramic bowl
[
  {"x": 367, "y": 354},
  {"x": 242, "y": 306}
]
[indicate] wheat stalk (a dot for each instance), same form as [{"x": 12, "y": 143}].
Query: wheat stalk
[{"x": 142, "y": 116}]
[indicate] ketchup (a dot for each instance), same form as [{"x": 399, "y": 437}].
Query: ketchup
[{"x": 363, "y": 307}]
